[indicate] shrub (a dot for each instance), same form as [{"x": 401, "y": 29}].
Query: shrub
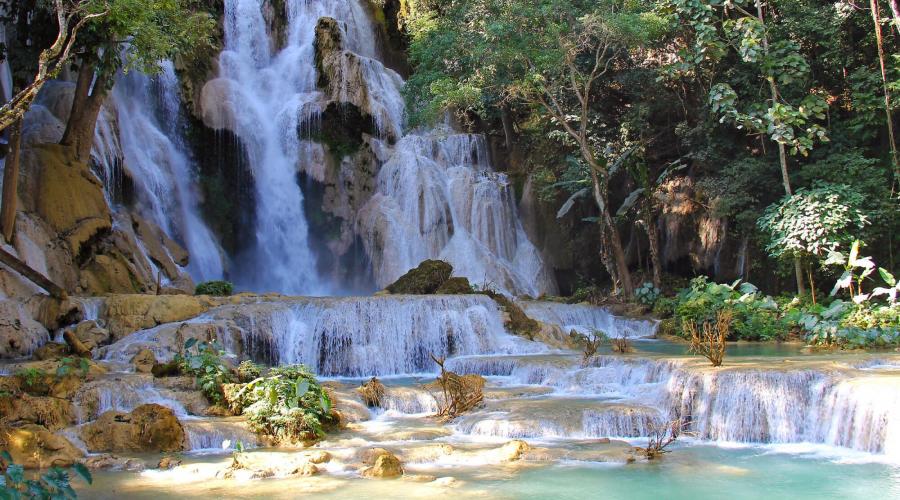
[
  {"x": 247, "y": 371},
  {"x": 54, "y": 483},
  {"x": 203, "y": 360},
  {"x": 647, "y": 294},
  {"x": 215, "y": 288},
  {"x": 755, "y": 315},
  {"x": 288, "y": 403}
]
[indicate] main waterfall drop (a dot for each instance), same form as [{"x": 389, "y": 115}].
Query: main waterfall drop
[{"x": 431, "y": 194}]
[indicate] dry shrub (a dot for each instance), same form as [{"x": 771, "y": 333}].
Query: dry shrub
[
  {"x": 372, "y": 392},
  {"x": 660, "y": 438},
  {"x": 459, "y": 393},
  {"x": 620, "y": 344},
  {"x": 709, "y": 339}
]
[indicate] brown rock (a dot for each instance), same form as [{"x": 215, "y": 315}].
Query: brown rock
[
  {"x": 20, "y": 335},
  {"x": 113, "y": 462},
  {"x": 150, "y": 428},
  {"x": 306, "y": 469},
  {"x": 386, "y": 466},
  {"x": 319, "y": 457},
  {"x": 423, "y": 280},
  {"x": 90, "y": 334},
  {"x": 35, "y": 447},
  {"x": 49, "y": 412},
  {"x": 144, "y": 361},
  {"x": 52, "y": 351},
  {"x": 129, "y": 313},
  {"x": 168, "y": 462}
]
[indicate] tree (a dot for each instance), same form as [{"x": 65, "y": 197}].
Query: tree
[
  {"x": 809, "y": 224},
  {"x": 548, "y": 54},
  {"x": 134, "y": 35},
  {"x": 71, "y": 17},
  {"x": 790, "y": 125}
]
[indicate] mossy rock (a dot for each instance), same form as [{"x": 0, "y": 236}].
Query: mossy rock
[
  {"x": 215, "y": 288},
  {"x": 455, "y": 286},
  {"x": 423, "y": 280},
  {"x": 518, "y": 322}
]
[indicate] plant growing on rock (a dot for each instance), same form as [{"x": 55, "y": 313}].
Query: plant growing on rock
[
  {"x": 248, "y": 371},
  {"x": 459, "y": 393},
  {"x": 372, "y": 392},
  {"x": 288, "y": 403},
  {"x": 590, "y": 344},
  {"x": 203, "y": 360},
  {"x": 661, "y": 436},
  {"x": 708, "y": 339},
  {"x": 215, "y": 288},
  {"x": 52, "y": 484}
]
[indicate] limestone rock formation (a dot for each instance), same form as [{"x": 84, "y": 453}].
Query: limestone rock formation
[
  {"x": 91, "y": 334},
  {"x": 35, "y": 447},
  {"x": 52, "y": 413},
  {"x": 20, "y": 334},
  {"x": 382, "y": 465},
  {"x": 143, "y": 361},
  {"x": 149, "y": 428},
  {"x": 129, "y": 313},
  {"x": 455, "y": 286}
]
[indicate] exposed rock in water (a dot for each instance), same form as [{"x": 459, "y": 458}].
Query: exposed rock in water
[
  {"x": 372, "y": 392},
  {"x": 144, "y": 361},
  {"x": 129, "y": 313},
  {"x": 91, "y": 334},
  {"x": 108, "y": 461},
  {"x": 516, "y": 320},
  {"x": 51, "y": 351},
  {"x": 49, "y": 412},
  {"x": 149, "y": 428},
  {"x": 423, "y": 280},
  {"x": 382, "y": 465},
  {"x": 168, "y": 462},
  {"x": 35, "y": 447}
]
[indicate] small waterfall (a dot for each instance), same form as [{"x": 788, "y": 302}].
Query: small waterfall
[
  {"x": 437, "y": 197},
  {"x": 373, "y": 336},
  {"x": 218, "y": 435},
  {"x": 582, "y": 318},
  {"x": 150, "y": 137},
  {"x": 409, "y": 401}
]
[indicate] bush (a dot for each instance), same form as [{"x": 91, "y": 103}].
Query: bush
[
  {"x": 54, "y": 483},
  {"x": 288, "y": 403},
  {"x": 203, "y": 360},
  {"x": 647, "y": 294},
  {"x": 215, "y": 288},
  {"x": 755, "y": 316},
  {"x": 248, "y": 371}
]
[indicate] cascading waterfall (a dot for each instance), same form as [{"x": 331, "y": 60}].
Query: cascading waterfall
[
  {"x": 149, "y": 118},
  {"x": 584, "y": 317},
  {"x": 373, "y": 336}
]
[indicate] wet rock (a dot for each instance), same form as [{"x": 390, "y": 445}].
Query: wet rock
[
  {"x": 91, "y": 334},
  {"x": 49, "y": 412},
  {"x": 516, "y": 320},
  {"x": 307, "y": 469},
  {"x": 51, "y": 351},
  {"x": 168, "y": 369},
  {"x": 455, "y": 286},
  {"x": 144, "y": 361},
  {"x": 423, "y": 280},
  {"x": 20, "y": 334},
  {"x": 384, "y": 464},
  {"x": 35, "y": 447},
  {"x": 168, "y": 462},
  {"x": 511, "y": 451},
  {"x": 419, "y": 478},
  {"x": 113, "y": 462},
  {"x": 149, "y": 428},
  {"x": 162, "y": 250},
  {"x": 319, "y": 457}
]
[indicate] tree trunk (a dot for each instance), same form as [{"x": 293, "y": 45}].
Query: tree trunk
[
  {"x": 782, "y": 153},
  {"x": 611, "y": 232},
  {"x": 86, "y": 104},
  {"x": 11, "y": 183},
  {"x": 35, "y": 277},
  {"x": 509, "y": 131},
  {"x": 653, "y": 237},
  {"x": 887, "y": 93},
  {"x": 895, "y": 8}
]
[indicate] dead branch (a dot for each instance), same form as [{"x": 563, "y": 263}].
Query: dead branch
[
  {"x": 372, "y": 392},
  {"x": 709, "y": 339},
  {"x": 459, "y": 393}
]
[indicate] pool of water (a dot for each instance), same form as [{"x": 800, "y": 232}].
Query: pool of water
[
  {"x": 688, "y": 472},
  {"x": 733, "y": 349}
]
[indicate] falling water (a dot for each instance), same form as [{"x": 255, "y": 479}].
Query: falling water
[
  {"x": 148, "y": 113},
  {"x": 583, "y": 317}
]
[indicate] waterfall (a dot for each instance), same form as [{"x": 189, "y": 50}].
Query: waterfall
[
  {"x": 583, "y": 317},
  {"x": 372, "y": 336},
  {"x": 149, "y": 121}
]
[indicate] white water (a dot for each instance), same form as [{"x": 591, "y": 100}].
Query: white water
[
  {"x": 373, "y": 336},
  {"x": 153, "y": 149},
  {"x": 583, "y": 318}
]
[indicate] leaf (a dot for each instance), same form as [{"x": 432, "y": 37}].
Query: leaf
[
  {"x": 854, "y": 253},
  {"x": 887, "y": 276},
  {"x": 301, "y": 388},
  {"x": 190, "y": 343},
  {"x": 83, "y": 472},
  {"x": 844, "y": 282},
  {"x": 326, "y": 403},
  {"x": 630, "y": 201},
  {"x": 567, "y": 206}
]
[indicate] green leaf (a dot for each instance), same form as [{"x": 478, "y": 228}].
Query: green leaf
[
  {"x": 83, "y": 473},
  {"x": 301, "y": 387},
  {"x": 887, "y": 276},
  {"x": 191, "y": 342}
]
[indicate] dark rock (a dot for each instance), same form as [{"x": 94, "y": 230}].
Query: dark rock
[
  {"x": 423, "y": 280},
  {"x": 455, "y": 286}
]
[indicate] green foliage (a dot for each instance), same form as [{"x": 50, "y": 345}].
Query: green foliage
[
  {"x": 647, "y": 294},
  {"x": 288, "y": 403},
  {"x": 755, "y": 315},
  {"x": 203, "y": 360},
  {"x": 54, "y": 483},
  {"x": 32, "y": 377},
  {"x": 248, "y": 371},
  {"x": 68, "y": 366},
  {"x": 813, "y": 221},
  {"x": 215, "y": 288}
]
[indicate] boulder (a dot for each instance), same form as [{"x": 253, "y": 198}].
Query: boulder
[
  {"x": 148, "y": 428},
  {"x": 168, "y": 462},
  {"x": 157, "y": 245},
  {"x": 385, "y": 466},
  {"x": 20, "y": 334},
  {"x": 108, "y": 461},
  {"x": 35, "y": 447},
  {"x": 144, "y": 361},
  {"x": 423, "y": 280},
  {"x": 49, "y": 412},
  {"x": 91, "y": 334}
]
